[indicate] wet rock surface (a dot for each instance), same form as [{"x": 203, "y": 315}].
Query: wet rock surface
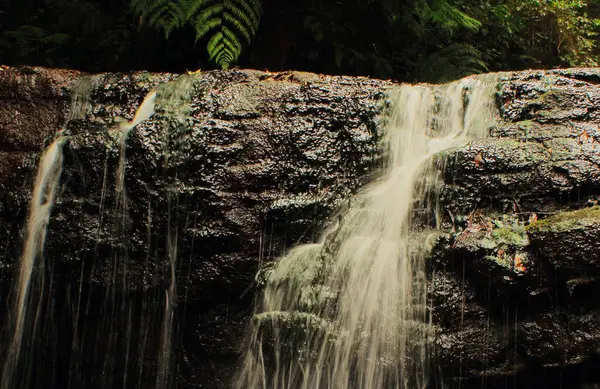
[
  {"x": 256, "y": 162},
  {"x": 527, "y": 251}
]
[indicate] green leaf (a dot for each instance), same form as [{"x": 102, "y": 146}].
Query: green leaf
[{"x": 227, "y": 23}]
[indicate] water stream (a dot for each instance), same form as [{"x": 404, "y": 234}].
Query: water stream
[
  {"x": 350, "y": 312},
  {"x": 143, "y": 113},
  {"x": 176, "y": 98},
  {"x": 137, "y": 326},
  {"x": 30, "y": 280},
  {"x": 123, "y": 315}
]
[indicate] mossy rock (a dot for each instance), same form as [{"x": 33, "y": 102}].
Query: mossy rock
[
  {"x": 567, "y": 221},
  {"x": 570, "y": 241},
  {"x": 499, "y": 249},
  {"x": 511, "y": 236}
]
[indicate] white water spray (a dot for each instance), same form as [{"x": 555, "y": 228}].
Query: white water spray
[{"x": 350, "y": 312}]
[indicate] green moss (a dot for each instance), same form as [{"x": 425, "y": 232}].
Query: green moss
[
  {"x": 545, "y": 114},
  {"x": 299, "y": 267},
  {"x": 527, "y": 124},
  {"x": 551, "y": 95},
  {"x": 298, "y": 321},
  {"x": 518, "y": 262},
  {"x": 143, "y": 77},
  {"x": 517, "y": 151},
  {"x": 566, "y": 221},
  {"x": 513, "y": 236}
]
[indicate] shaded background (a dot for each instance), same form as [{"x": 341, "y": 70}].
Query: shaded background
[{"x": 410, "y": 40}]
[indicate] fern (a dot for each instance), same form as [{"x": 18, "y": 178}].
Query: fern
[
  {"x": 450, "y": 63},
  {"x": 29, "y": 39},
  {"x": 229, "y": 25},
  {"x": 166, "y": 15},
  {"x": 449, "y": 16}
]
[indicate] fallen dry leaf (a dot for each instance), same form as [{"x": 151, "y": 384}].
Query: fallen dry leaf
[
  {"x": 519, "y": 266},
  {"x": 584, "y": 136}
]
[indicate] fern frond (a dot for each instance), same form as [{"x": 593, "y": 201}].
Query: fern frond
[
  {"x": 224, "y": 47},
  {"x": 192, "y": 7},
  {"x": 243, "y": 15},
  {"x": 233, "y": 42},
  {"x": 211, "y": 12},
  {"x": 450, "y": 16},
  {"x": 168, "y": 18},
  {"x": 203, "y": 27},
  {"x": 231, "y": 22},
  {"x": 240, "y": 27},
  {"x": 213, "y": 44},
  {"x": 147, "y": 7},
  {"x": 165, "y": 15},
  {"x": 450, "y": 63}
]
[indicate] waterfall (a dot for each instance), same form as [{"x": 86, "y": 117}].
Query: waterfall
[
  {"x": 29, "y": 284},
  {"x": 110, "y": 329},
  {"x": 351, "y": 311}
]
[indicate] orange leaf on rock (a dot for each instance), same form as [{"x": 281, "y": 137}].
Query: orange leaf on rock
[
  {"x": 533, "y": 218},
  {"x": 584, "y": 136},
  {"x": 519, "y": 265}
]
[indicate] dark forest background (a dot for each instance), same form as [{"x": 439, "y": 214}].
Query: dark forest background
[{"x": 408, "y": 40}]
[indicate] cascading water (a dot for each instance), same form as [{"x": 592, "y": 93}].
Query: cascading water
[
  {"x": 29, "y": 285},
  {"x": 350, "y": 312},
  {"x": 346, "y": 313}
]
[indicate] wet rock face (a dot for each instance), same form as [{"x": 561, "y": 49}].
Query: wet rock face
[
  {"x": 254, "y": 164},
  {"x": 546, "y": 149},
  {"x": 527, "y": 253}
]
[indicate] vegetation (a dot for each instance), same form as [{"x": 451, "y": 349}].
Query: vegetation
[
  {"x": 428, "y": 40},
  {"x": 566, "y": 221},
  {"x": 232, "y": 23}
]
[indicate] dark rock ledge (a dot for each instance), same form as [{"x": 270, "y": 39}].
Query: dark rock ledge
[{"x": 268, "y": 156}]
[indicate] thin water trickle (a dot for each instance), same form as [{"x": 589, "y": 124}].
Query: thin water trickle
[
  {"x": 175, "y": 97},
  {"x": 118, "y": 322},
  {"x": 42, "y": 200},
  {"x": 351, "y": 312},
  {"x": 143, "y": 113},
  {"x": 130, "y": 318},
  {"x": 30, "y": 279}
]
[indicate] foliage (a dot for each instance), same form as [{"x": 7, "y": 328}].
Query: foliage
[
  {"x": 409, "y": 40},
  {"x": 233, "y": 23},
  {"x": 28, "y": 40},
  {"x": 539, "y": 33},
  {"x": 450, "y": 63},
  {"x": 564, "y": 25}
]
